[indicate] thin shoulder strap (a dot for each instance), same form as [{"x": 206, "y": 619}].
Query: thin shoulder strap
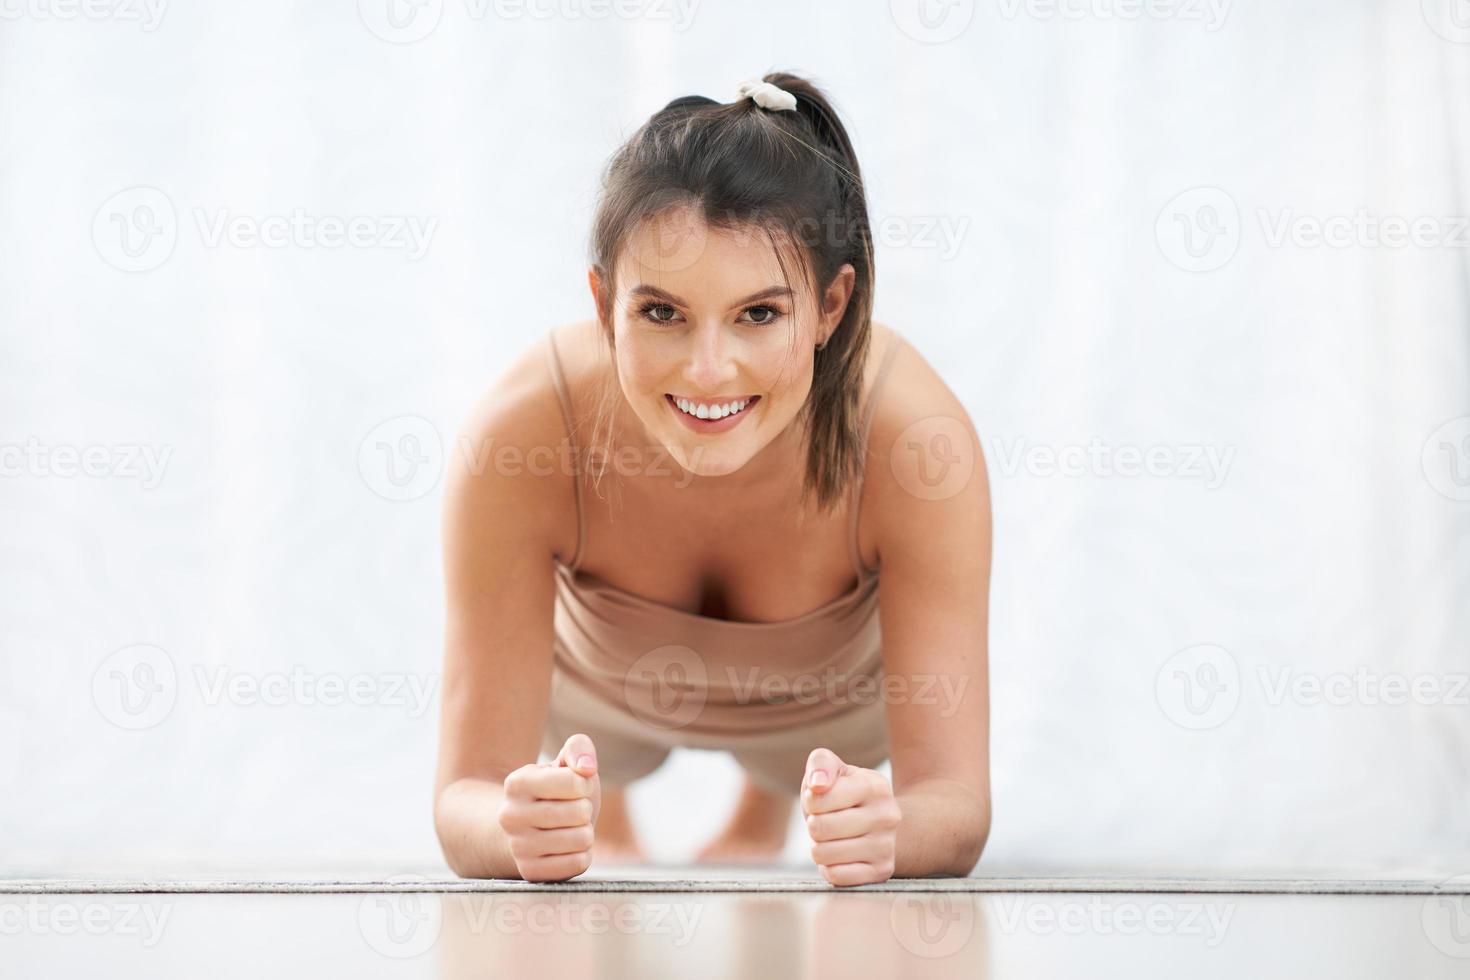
[
  {"x": 867, "y": 423},
  {"x": 566, "y": 414}
]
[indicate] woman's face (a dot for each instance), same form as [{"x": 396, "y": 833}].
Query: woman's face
[{"x": 704, "y": 318}]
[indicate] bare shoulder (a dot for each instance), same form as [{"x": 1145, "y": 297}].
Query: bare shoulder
[
  {"x": 913, "y": 391},
  {"x": 511, "y": 453},
  {"x": 925, "y": 470}
]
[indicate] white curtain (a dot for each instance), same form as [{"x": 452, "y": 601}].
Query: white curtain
[{"x": 258, "y": 259}]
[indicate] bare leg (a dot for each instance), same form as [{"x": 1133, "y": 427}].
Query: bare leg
[
  {"x": 613, "y": 836},
  {"x": 757, "y": 829}
]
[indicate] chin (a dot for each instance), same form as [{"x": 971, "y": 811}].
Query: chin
[{"x": 704, "y": 461}]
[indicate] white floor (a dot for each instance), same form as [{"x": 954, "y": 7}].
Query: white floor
[{"x": 745, "y": 923}]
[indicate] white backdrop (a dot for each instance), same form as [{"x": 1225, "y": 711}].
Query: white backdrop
[{"x": 222, "y": 427}]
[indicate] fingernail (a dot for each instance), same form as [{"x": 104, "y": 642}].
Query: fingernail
[
  {"x": 819, "y": 778},
  {"x": 584, "y": 762}
]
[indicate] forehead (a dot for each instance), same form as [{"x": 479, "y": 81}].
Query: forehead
[{"x": 678, "y": 251}]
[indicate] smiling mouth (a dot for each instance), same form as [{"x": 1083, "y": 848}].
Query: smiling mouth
[{"x": 744, "y": 402}]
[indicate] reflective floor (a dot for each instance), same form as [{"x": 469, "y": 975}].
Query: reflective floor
[{"x": 736, "y": 935}]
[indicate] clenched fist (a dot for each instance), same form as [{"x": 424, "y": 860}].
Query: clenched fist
[
  {"x": 548, "y": 812},
  {"x": 852, "y": 819}
]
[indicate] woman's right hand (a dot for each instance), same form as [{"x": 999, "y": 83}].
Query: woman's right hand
[{"x": 548, "y": 812}]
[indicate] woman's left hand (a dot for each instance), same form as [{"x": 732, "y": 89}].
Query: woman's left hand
[{"x": 852, "y": 819}]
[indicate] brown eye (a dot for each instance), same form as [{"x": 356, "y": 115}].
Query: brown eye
[
  {"x": 654, "y": 312},
  {"x": 768, "y": 314}
]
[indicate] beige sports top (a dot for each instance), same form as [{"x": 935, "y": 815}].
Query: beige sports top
[{"x": 751, "y": 676}]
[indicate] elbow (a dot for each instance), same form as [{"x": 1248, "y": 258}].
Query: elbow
[
  {"x": 973, "y": 844},
  {"x": 449, "y": 840}
]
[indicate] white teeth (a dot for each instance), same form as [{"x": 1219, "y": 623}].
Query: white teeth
[{"x": 717, "y": 411}]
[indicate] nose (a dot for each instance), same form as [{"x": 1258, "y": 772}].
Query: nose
[{"x": 711, "y": 365}]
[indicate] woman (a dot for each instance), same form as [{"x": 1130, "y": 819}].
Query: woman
[{"x": 720, "y": 588}]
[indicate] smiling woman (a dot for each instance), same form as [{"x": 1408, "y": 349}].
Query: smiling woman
[{"x": 733, "y": 602}]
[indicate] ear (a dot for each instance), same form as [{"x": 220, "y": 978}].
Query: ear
[
  {"x": 834, "y": 302},
  {"x": 599, "y": 299}
]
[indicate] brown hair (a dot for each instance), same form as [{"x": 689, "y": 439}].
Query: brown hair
[{"x": 792, "y": 176}]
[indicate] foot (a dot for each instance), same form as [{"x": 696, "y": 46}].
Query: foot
[
  {"x": 756, "y": 833},
  {"x": 613, "y": 838}
]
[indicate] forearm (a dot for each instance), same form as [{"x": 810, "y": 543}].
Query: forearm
[
  {"x": 943, "y": 831},
  {"x": 465, "y": 818}
]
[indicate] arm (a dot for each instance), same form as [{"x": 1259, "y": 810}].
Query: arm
[
  {"x": 934, "y": 540},
  {"x": 499, "y": 592},
  {"x": 927, "y": 486}
]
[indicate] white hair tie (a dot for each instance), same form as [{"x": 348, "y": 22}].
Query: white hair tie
[{"x": 766, "y": 95}]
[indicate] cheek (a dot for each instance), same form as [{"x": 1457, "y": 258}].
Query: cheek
[{"x": 641, "y": 372}]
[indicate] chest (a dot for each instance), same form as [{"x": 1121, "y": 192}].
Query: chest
[{"x": 746, "y": 564}]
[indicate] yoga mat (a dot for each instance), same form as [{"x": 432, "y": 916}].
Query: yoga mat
[{"x": 706, "y": 879}]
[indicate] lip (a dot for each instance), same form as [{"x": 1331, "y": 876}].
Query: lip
[{"x": 712, "y": 426}]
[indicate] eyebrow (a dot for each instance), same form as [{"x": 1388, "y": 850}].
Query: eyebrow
[{"x": 643, "y": 289}]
